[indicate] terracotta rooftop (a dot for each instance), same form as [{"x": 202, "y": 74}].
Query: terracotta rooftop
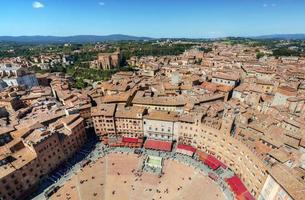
[
  {"x": 288, "y": 181},
  {"x": 134, "y": 112},
  {"x": 23, "y": 157},
  {"x": 116, "y": 98},
  {"x": 286, "y": 90},
  {"x": 158, "y": 101},
  {"x": 280, "y": 154},
  {"x": 103, "y": 109},
  {"x": 226, "y": 76},
  {"x": 162, "y": 116}
]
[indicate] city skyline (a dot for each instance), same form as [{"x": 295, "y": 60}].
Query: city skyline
[
  {"x": 192, "y": 19},
  {"x": 152, "y": 99}
]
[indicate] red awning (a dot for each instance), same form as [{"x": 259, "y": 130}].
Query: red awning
[
  {"x": 158, "y": 145},
  {"x": 245, "y": 196},
  {"x": 236, "y": 185},
  {"x": 202, "y": 155},
  {"x": 212, "y": 162},
  {"x": 186, "y": 148},
  {"x": 130, "y": 140}
]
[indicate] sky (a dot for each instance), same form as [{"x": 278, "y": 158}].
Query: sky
[{"x": 152, "y": 18}]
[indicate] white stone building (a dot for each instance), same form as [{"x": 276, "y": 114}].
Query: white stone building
[
  {"x": 225, "y": 79},
  {"x": 161, "y": 125},
  {"x": 282, "y": 94},
  {"x": 17, "y": 76}
]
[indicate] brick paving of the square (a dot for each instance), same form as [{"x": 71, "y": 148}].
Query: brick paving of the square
[{"x": 113, "y": 178}]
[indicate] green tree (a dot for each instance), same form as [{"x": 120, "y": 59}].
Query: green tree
[{"x": 259, "y": 55}]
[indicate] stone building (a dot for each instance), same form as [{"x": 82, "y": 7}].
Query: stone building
[
  {"x": 103, "y": 119},
  {"x": 129, "y": 121},
  {"x": 108, "y": 60},
  {"x": 228, "y": 150},
  {"x": 30, "y": 153},
  {"x": 161, "y": 125},
  {"x": 17, "y": 76}
]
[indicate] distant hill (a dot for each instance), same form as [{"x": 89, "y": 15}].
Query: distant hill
[
  {"x": 71, "y": 39},
  {"x": 282, "y": 37},
  {"x": 120, "y": 37}
]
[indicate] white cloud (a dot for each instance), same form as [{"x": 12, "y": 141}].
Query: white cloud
[
  {"x": 37, "y": 4},
  {"x": 101, "y": 3},
  {"x": 265, "y": 5}
]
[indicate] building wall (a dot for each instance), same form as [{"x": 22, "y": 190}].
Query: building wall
[
  {"x": 51, "y": 152},
  {"x": 104, "y": 125},
  {"x": 75, "y": 140},
  {"x": 178, "y": 109},
  {"x": 267, "y": 88},
  {"x": 224, "y": 81},
  {"x": 290, "y": 127},
  {"x": 161, "y": 130},
  {"x": 27, "y": 80},
  {"x": 279, "y": 99},
  {"x": 263, "y": 76},
  {"x": 230, "y": 151},
  {"x": 115, "y": 59},
  {"x": 109, "y": 61},
  {"x": 129, "y": 127},
  {"x": 86, "y": 114},
  {"x": 238, "y": 95},
  {"x": 2, "y": 85},
  {"x": 21, "y": 181},
  {"x": 12, "y": 104},
  {"x": 273, "y": 191},
  {"x": 295, "y": 106},
  {"x": 10, "y": 81}
]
